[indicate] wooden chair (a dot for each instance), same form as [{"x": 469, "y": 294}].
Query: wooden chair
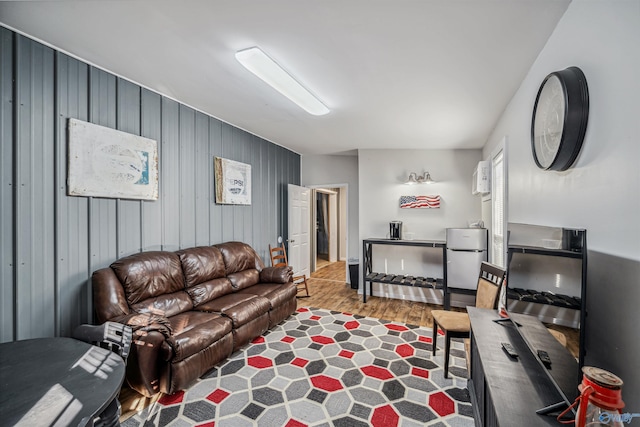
[
  {"x": 279, "y": 259},
  {"x": 456, "y": 324}
]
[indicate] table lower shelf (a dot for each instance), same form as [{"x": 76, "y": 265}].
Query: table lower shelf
[
  {"x": 394, "y": 279},
  {"x": 544, "y": 297}
]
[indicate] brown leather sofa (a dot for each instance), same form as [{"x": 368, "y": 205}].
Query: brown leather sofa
[{"x": 190, "y": 309}]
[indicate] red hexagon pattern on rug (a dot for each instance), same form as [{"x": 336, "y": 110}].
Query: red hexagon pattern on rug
[
  {"x": 288, "y": 339},
  {"x": 346, "y": 354},
  {"x": 377, "y": 372},
  {"x": 298, "y": 361},
  {"x": 258, "y": 340},
  {"x": 315, "y": 317},
  {"x": 428, "y": 340},
  {"x": 294, "y": 423},
  {"x": 419, "y": 372},
  {"x": 211, "y": 424},
  {"x": 352, "y": 325},
  {"x": 442, "y": 404},
  {"x": 405, "y": 350},
  {"x": 171, "y": 399},
  {"x": 399, "y": 328},
  {"x": 319, "y": 339},
  {"x": 385, "y": 416},
  {"x": 326, "y": 383},
  {"x": 259, "y": 362},
  {"x": 218, "y": 396}
]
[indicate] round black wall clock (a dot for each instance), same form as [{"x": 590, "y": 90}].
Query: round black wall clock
[{"x": 559, "y": 119}]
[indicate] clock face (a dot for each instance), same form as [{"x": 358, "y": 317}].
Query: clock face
[{"x": 548, "y": 122}]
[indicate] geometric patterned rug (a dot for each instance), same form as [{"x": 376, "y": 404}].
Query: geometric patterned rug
[{"x": 325, "y": 368}]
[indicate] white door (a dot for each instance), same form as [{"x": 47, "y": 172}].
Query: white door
[{"x": 298, "y": 251}]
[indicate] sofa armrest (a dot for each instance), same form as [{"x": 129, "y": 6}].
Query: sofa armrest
[
  {"x": 145, "y": 362},
  {"x": 149, "y": 351},
  {"x": 276, "y": 275},
  {"x": 109, "y": 300}
]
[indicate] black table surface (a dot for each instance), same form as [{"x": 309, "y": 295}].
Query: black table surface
[
  {"x": 521, "y": 386},
  {"x": 56, "y": 381},
  {"x": 400, "y": 242}
]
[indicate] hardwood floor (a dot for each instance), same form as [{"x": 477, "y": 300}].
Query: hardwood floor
[{"x": 328, "y": 290}]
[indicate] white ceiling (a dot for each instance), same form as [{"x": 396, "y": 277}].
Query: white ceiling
[{"x": 396, "y": 74}]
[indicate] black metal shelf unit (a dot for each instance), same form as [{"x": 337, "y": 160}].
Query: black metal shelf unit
[
  {"x": 439, "y": 283},
  {"x": 572, "y": 245}
]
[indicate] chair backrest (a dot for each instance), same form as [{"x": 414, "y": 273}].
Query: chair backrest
[
  {"x": 110, "y": 335},
  {"x": 278, "y": 256},
  {"x": 489, "y": 282}
]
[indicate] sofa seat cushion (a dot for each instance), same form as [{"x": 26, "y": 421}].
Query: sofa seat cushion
[
  {"x": 276, "y": 293},
  {"x": 193, "y": 331},
  {"x": 240, "y": 308},
  {"x": 209, "y": 290},
  {"x": 166, "y": 305}
]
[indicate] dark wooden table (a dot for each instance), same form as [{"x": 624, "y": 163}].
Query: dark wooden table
[
  {"x": 507, "y": 391},
  {"x": 56, "y": 381}
]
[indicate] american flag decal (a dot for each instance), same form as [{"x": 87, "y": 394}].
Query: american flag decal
[{"x": 420, "y": 202}]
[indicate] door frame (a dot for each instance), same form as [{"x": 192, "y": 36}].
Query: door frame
[
  {"x": 332, "y": 223},
  {"x": 342, "y": 208},
  {"x": 500, "y": 148}
]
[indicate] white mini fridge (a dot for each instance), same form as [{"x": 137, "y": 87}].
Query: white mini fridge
[{"x": 466, "y": 249}]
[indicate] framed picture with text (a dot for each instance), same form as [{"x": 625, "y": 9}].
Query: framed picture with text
[{"x": 233, "y": 182}]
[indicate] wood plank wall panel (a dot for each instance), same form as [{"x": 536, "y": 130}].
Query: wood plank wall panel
[
  {"x": 35, "y": 134},
  {"x": 128, "y": 213},
  {"x": 215, "y": 212},
  {"x": 102, "y": 212},
  {"x": 203, "y": 177},
  {"x": 6, "y": 187},
  {"x": 51, "y": 243},
  {"x": 187, "y": 156},
  {"x": 72, "y": 219},
  {"x": 170, "y": 175},
  {"x": 151, "y": 211}
]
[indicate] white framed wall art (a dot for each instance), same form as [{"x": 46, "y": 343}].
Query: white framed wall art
[{"x": 105, "y": 162}]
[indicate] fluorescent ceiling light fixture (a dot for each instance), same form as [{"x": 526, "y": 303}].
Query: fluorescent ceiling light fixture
[{"x": 256, "y": 61}]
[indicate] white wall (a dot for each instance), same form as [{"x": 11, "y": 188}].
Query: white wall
[
  {"x": 381, "y": 177},
  {"x": 329, "y": 171},
  {"x": 601, "y": 193}
]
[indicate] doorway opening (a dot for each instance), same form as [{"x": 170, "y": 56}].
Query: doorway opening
[{"x": 329, "y": 229}]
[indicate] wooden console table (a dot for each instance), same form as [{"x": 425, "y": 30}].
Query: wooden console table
[
  {"x": 371, "y": 277},
  {"x": 506, "y": 391}
]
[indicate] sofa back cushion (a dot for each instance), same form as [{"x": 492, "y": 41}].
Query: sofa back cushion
[
  {"x": 239, "y": 256},
  {"x": 149, "y": 274},
  {"x": 242, "y": 264},
  {"x": 204, "y": 273},
  {"x": 201, "y": 264}
]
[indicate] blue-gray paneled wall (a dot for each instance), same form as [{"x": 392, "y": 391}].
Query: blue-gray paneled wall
[{"x": 51, "y": 243}]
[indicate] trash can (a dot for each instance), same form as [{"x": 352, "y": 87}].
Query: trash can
[{"x": 354, "y": 272}]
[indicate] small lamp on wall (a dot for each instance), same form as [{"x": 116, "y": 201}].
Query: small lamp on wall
[{"x": 415, "y": 179}]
